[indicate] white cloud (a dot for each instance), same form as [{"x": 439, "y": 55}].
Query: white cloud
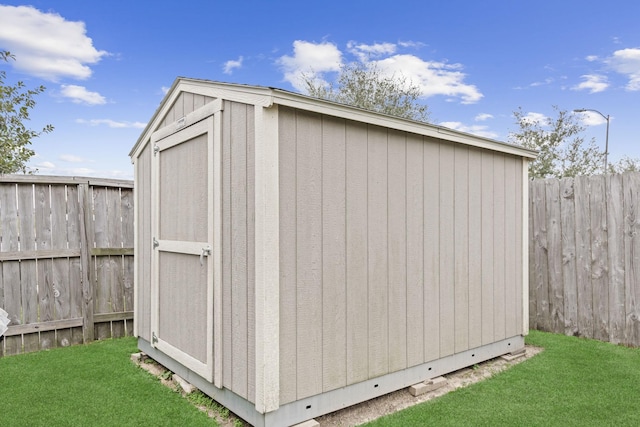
[
  {"x": 72, "y": 159},
  {"x": 483, "y": 116},
  {"x": 230, "y": 65},
  {"x": 312, "y": 59},
  {"x": 165, "y": 90},
  {"x": 594, "y": 83},
  {"x": 112, "y": 123},
  {"x": 80, "y": 95},
  {"x": 47, "y": 45},
  {"x": 433, "y": 78},
  {"x": 592, "y": 58},
  {"x": 410, "y": 43},
  {"x": 591, "y": 118},
  {"x": 364, "y": 52},
  {"x": 45, "y": 165},
  {"x": 627, "y": 62},
  {"x": 546, "y": 81},
  {"x": 479, "y": 130}
]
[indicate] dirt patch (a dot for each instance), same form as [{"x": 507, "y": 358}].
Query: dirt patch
[
  {"x": 401, "y": 399},
  {"x": 362, "y": 412}
]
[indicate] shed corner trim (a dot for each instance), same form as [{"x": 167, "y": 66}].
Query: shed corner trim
[{"x": 267, "y": 259}]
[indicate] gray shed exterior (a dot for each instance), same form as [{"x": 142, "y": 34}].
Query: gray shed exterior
[{"x": 295, "y": 256}]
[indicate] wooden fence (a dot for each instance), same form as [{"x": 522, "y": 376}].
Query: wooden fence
[
  {"x": 585, "y": 257},
  {"x": 66, "y": 260}
]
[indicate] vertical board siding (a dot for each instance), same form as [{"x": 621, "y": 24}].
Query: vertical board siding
[
  {"x": 461, "y": 248},
  {"x": 378, "y": 265},
  {"x": 184, "y": 104},
  {"x": 446, "y": 226},
  {"x": 487, "y": 212},
  {"x": 356, "y": 247},
  {"x": 334, "y": 295},
  {"x": 238, "y": 255},
  {"x": 431, "y": 244},
  {"x": 238, "y": 281},
  {"x": 500, "y": 248},
  {"x": 143, "y": 243},
  {"x": 393, "y": 251},
  {"x": 309, "y": 253},
  {"x": 584, "y": 273},
  {"x": 397, "y": 251},
  {"x": 475, "y": 249},
  {"x": 415, "y": 250},
  {"x": 288, "y": 239},
  {"x": 512, "y": 228},
  {"x": 41, "y": 214}
]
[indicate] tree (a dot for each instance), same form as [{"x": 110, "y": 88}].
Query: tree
[
  {"x": 625, "y": 164},
  {"x": 15, "y": 138},
  {"x": 366, "y": 86},
  {"x": 563, "y": 152}
]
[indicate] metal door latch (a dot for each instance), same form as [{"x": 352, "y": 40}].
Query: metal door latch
[{"x": 205, "y": 252}]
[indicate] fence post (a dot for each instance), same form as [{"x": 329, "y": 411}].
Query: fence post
[{"x": 85, "y": 261}]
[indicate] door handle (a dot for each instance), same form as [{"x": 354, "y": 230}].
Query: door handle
[{"x": 206, "y": 251}]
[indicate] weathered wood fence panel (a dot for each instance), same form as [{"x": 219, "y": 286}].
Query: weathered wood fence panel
[
  {"x": 66, "y": 260},
  {"x": 585, "y": 257}
]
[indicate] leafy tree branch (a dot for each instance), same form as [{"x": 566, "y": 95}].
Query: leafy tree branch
[{"x": 16, "y": 101}]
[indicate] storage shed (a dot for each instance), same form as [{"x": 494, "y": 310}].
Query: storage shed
[{"x": 295, "y": 256}]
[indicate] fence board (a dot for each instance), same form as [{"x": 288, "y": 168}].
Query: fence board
[
  {"x": 541, "y": 277},
  {"x": 599, "y": 259},
  {"x": 631, "y": 184},
  {"x": 46, "y": 238},
  {"x": 599, "y": 251},
  {"x": 570, "y": 286},
  {"x": 583, "y": 257},
  {"x": 554, "y": 252},
  {"x": 615, "y": 239}
]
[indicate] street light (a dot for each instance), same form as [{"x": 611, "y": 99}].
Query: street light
[{"x": 606, "y": 143}]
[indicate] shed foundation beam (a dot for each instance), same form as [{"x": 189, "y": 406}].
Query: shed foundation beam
[{"x": 427, "y": 386}]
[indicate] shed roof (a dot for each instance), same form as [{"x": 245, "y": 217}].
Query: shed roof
[{"x": 267, "y": 96}]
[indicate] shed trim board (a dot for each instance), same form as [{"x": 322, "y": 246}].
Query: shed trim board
[
  {"x": 265, "y": 97},
  {"x": 267, "y": 255},
  {"x": 327, "y": 255},
  {"x": 525, "y": 246}
]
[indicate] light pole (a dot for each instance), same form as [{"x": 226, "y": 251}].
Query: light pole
[{"x": 606, "y": 142}]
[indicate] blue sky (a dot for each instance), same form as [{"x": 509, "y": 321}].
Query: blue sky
[{"x": 107, "y": 64}]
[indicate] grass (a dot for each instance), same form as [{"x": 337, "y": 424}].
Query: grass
[
  {"x": 91, "y": 385},
  {"x": 574, "y": 382}
]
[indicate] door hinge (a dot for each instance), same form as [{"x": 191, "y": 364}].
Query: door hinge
[
  {"x": 155, "y": 243},
  {"x": 154, "y": 338},
  {"x": 156, "y": 149}
]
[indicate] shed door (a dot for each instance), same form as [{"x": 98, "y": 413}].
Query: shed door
[{"x": 182, "y": 304}]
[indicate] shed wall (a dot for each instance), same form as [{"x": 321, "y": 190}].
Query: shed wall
[
  {"x": 238, "y": 282},
  {"x": 396, "y": 249},
  {"x": 184, "y": 104}
]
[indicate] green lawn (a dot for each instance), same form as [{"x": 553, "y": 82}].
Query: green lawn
[
  {"x": 574, "y": 382},
  {"x": 91, "y": 385}
]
